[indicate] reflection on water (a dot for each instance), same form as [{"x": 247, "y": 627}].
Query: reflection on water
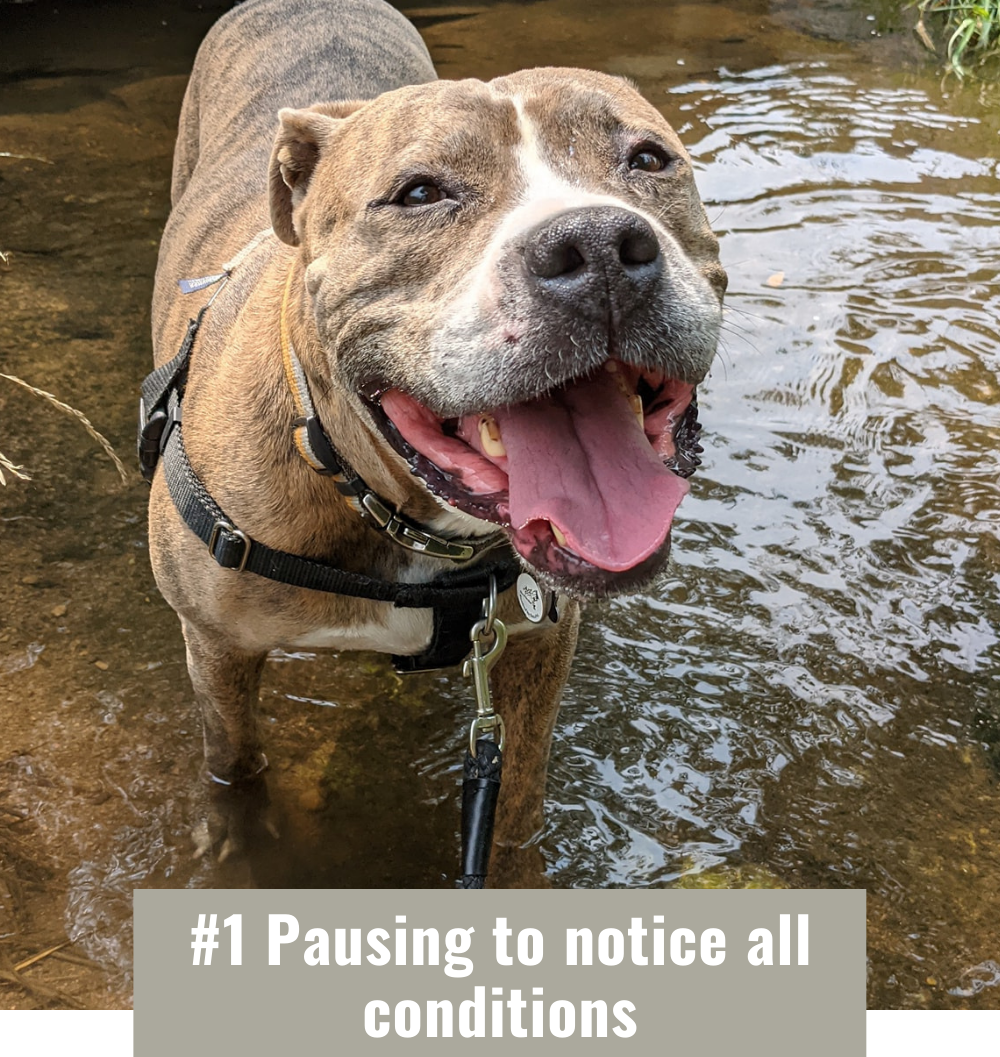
[
  {"x": 830, "y": 657},
  {"x": 809, "y": 696}
]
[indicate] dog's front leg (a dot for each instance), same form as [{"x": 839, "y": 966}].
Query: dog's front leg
[
  {"x": 226, "y": 683},
  {"x": 527, "y": 683}
]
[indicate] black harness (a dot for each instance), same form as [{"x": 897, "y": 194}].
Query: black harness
[
  {"x": 458, "y": 598},
  {"x": 455, "y": 596}
]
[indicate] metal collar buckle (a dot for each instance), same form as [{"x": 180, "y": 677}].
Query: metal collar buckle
[
  {"x": 407, "y": 535},
  {"x": 224, "y": 554}
]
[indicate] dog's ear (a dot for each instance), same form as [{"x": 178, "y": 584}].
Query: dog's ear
[{"x": 302, "y": 137}]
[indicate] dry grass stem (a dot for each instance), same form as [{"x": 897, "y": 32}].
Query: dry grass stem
[
  {"x": 14, "y": 471},
  {"x": 38, "y": 991},
  {"x": 25, "y": 157},
  {"x": 75, "y": 959},
  {"x": 87, "y": 425},
  {"x": 21, "y": 966},
  {"x": 921, "y": 31}
]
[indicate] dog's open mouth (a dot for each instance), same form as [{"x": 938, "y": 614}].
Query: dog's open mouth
[{"x": 585, "y": 479}]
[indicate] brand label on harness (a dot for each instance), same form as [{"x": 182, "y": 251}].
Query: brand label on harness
[{"x": 529, "y": 594}]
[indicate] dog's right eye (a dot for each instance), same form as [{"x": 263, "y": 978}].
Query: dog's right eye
[{"x": 424, "y": 193}]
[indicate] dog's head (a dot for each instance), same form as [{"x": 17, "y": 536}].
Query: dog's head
[{"x": 518, "y": 283}]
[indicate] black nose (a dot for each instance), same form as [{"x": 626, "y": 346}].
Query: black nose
[{"x": 585, "y": 256}]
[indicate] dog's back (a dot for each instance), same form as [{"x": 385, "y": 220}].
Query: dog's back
[{"x": 259, "y": 57}]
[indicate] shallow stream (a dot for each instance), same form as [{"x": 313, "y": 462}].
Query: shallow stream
[{"x": 809, "y": 698}]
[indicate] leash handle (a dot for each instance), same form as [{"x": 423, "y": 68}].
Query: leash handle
[{"x": 480, "y": 789}]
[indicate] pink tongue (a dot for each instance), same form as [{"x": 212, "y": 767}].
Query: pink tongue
[{"x": 581, "y": 460}]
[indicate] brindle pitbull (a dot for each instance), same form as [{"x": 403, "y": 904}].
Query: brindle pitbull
[{"x": 502, "y": 296}]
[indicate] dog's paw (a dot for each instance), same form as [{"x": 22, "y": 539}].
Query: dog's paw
[
  {"x": 240, "y": 818},
  {"x": 202, "y": 837}
]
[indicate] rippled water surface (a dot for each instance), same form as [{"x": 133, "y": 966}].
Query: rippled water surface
[{"x": 809, "y": 698}]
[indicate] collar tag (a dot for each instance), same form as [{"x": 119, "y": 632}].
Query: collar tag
[
  {"x": 531, "y": 597},
  {"x": 192, "y": 286}
]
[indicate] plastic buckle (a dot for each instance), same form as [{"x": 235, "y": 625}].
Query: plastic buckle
[
  {"x": 150, "y": 435},
  {"x": 223, "y": 557}
]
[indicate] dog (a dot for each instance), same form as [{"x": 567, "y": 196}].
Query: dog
[{"x": 448, "y": 327}]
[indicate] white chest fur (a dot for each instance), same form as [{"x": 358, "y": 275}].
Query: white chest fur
[{"x": 403, "y": 632}]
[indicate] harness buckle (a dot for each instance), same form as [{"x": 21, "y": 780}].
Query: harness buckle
[
  {"x": 223, "y": 547},
  {"x": 151, "y": 428},
  {"x": 376, "y": 511}
]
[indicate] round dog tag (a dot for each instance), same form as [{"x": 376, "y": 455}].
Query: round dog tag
[{"x": 532, "y": 600}]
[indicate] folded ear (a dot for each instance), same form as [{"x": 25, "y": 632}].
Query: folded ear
[{"x": 302, "y": 137}]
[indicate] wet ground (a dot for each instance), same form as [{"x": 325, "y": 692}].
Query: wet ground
[{"x": 809, "y": 698}]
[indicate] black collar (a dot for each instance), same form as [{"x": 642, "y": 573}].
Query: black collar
[{"x": 316, "y": 448}]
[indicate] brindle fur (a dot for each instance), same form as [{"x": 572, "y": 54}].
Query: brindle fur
[{"x": 371, "y": 298}]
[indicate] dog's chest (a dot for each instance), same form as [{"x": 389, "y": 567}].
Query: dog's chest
[{"x": 403, "y": 632}]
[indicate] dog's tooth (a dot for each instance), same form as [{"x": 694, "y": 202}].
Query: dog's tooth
[
  {"x": 635, "y": 402},
  {"x": 489, "y": 437},
  {"x": 557, "y": 532},
  {"x": 491, "y": 425}
]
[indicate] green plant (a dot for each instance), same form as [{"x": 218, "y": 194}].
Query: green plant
[{"x": 974, "y": 26}]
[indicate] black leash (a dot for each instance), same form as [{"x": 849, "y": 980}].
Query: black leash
[{"x": 480, "y": 789}]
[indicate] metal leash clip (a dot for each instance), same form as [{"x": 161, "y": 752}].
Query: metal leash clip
[{"x": 478, "y": 666}]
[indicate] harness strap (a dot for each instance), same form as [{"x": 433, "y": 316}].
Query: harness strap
[
  {"x": 234, "y": 549},
  {"x": 295, "y": 375},
  {"x": 454, "y": 596},
  {"x": 170, "y": 375}
]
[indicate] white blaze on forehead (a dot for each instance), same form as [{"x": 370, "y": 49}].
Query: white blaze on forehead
[
  {"x": 540, "y": 180},
  {"x": 544, "y": 191}
]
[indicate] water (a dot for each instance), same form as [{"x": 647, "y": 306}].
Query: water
[{"x": 807, "y": 699}]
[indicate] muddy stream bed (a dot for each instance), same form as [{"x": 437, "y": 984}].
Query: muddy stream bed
[{"x": 808, "y": 698}]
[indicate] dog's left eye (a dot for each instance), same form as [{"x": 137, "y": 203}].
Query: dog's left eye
[
  {"x": 424, "y": 193},
  {"x": 648, "y": 159}
]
